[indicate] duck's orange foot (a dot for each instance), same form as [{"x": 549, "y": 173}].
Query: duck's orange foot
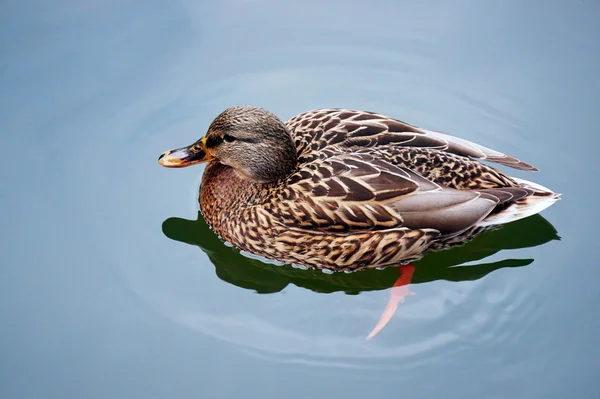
[{"x": 400, "y": 290}]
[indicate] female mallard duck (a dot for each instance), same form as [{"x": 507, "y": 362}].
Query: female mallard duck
[{"x": 346, "y": 190}]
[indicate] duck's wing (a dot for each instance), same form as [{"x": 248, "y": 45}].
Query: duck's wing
[
  {"x": 315, "y": 130},
  {"x": 354, "y": 192}
]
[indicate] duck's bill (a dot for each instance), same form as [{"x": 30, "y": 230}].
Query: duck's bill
[{"x": 185, "y": 156}]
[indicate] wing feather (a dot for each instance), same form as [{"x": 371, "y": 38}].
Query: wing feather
[
  {"x": 359, "y": 129},
  {"x": 350, "y": 192}
]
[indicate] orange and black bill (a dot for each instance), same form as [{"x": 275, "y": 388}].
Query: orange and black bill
[{"x": 185, "y": 156}]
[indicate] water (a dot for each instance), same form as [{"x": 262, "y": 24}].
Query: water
[{"x": 112, "y": 286}]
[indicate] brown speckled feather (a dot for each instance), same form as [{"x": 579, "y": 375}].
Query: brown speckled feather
[
  {"x": 349, "y": 192},
  {"x": 315, "y": 130}
]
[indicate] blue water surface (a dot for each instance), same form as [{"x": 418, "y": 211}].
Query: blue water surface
[{"x": 110, "y": 285}]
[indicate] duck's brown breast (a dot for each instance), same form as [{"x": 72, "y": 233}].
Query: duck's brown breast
[{"x": 231, "y": 206}]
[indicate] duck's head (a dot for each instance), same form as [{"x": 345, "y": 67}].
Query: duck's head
[{"x": 251, "y": 140}]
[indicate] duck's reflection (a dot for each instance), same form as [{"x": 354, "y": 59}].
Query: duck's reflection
[{"x": 237, "y": 269}]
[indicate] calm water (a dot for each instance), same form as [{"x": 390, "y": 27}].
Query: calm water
[{"x": 111, "y": 285}]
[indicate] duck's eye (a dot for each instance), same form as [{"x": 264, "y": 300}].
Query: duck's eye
[{"x": 228, "y": 138}]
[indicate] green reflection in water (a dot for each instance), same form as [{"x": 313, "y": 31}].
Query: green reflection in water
[{"x": 237, "y": 269}]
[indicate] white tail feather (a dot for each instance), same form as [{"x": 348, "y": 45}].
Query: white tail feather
[{"x": 524, "y": 208}]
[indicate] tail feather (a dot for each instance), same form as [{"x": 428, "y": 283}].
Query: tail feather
[
  {"x": 505, "y": 194},
  {"x": 538, "y": 200}
]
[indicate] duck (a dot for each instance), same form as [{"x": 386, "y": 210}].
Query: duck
[{"x": 347, "y": 190}]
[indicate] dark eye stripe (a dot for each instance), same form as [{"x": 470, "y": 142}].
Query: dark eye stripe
[{"x": 213, "y": 141}]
